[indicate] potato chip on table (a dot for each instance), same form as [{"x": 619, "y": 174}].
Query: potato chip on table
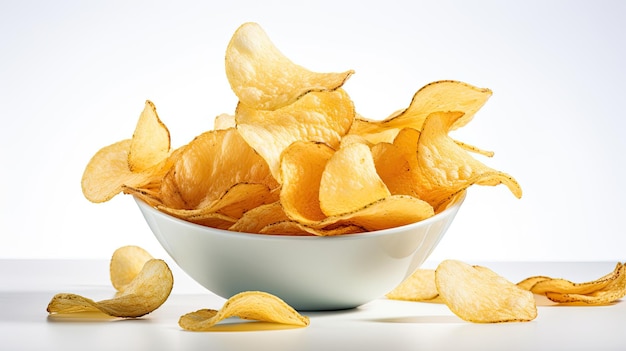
[
  {"x": 137, "y": 295},
  {"x": 249, "y": 305}
]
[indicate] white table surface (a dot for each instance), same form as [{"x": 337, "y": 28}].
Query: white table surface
[{"x": 26, "y": 287}]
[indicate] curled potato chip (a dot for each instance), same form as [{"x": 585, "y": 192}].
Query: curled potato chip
[
  {"x": 439, "y": 96},
  {"x": 604, "y": 290},
  {"x": 419, "y": 286},
  {"x": 126, "y": 263},
  {"x": 129, "y": 163},
  {"x": 263, "y": 78},
  {"x": 144, "y": 294},
  {"x": 250, "y": 305},
  {"x": 350, "y": 181},
  {"x": 389, "y": 212},
  {"x": 317, "y": 116},
  {"x": 259, "y": 217},
  {"x": 444, "y": 168},
  {"x": 477, "y": 294}
]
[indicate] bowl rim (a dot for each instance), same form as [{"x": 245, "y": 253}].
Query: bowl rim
[{"x": 457, "y": 201}]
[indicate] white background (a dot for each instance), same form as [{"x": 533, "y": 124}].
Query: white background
[{"x": 74, "y": 76}]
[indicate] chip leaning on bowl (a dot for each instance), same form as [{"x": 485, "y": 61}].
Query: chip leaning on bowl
[{"x": 296, "y": 159}]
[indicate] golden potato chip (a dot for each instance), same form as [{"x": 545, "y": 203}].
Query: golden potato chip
[
  {"x": 603, "y": 290},
  {"x": 151, "y": 140},
  {"x": 263, "y": 78},
  {"x": 482, "y": 296},
  {"x": 350, "y": 181},
  {"x": 302, "y": 165},
  {"x": 392, "y": 211},
  {"x": 257, "y": 218},
  {"x": 147, "y": 292},
  {"x": 249, "y": 305},
  {"x": 419, "y": 286},
  {"x": 439, "y": 96},
  {"x": 129, "y": 163},
  {"x": 209, "y": 166},
  {"x": 444, "y": 168},
  {"x": 126, "y": 262},
  {"x": 317, "y": 116}
]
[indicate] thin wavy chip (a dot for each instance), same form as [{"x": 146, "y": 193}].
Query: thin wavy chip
[
  {"x": 604, "y": 290},
  {"x": 264, "y": 78},
  {"x": 147, "y": 292},
  {"x": 323, "y": 117},
  {"x": 151, "y": 140},
  {"x": 444, "y": 168},
  {"x": 126, "y": 263},
  {"x": 259, "y": 217},
  {"x": 249, "y": 305},
  {"x": 564, "y": 286},
  {"x": 130, "y": 163},
  {"x": 419, "y": 286},
  {"x": 477, "y": 294},
  {"x": 439, "y": 96},
  {"x": 350, "y": 181},
  {"x": 389, "y": 212}
]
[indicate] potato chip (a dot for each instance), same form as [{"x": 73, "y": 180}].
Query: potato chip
[
  {"x": 444, "y": 168},
  {"x": 209, "y": 166},
  {"x": 419, "y": 286},
  {"x": 257, "y": 218},
  {"x": 302, "y": 165},
  {"x": 249, "y": 305},
  {"x": 350, "y": 181},
  {"x": 144, "y": 294},
  {"x": 151, "y": 140},
  {"x": 126, "y": 263},
  {"x": 132, "y": 162},
  {"x": 317, "y": 116},
  {"x": 604, "y": 290},
  {"x": 439, "y": 96},
  {"x": 389, "y": 212},
  {"x": 263, "y": 78},
  {"x": 482, "y": 296}
]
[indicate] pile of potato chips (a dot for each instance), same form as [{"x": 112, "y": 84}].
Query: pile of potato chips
[{"x": 296, "y": 158}]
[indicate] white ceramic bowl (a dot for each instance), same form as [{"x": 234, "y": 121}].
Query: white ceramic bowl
[{"x": 309, "y": 273}]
